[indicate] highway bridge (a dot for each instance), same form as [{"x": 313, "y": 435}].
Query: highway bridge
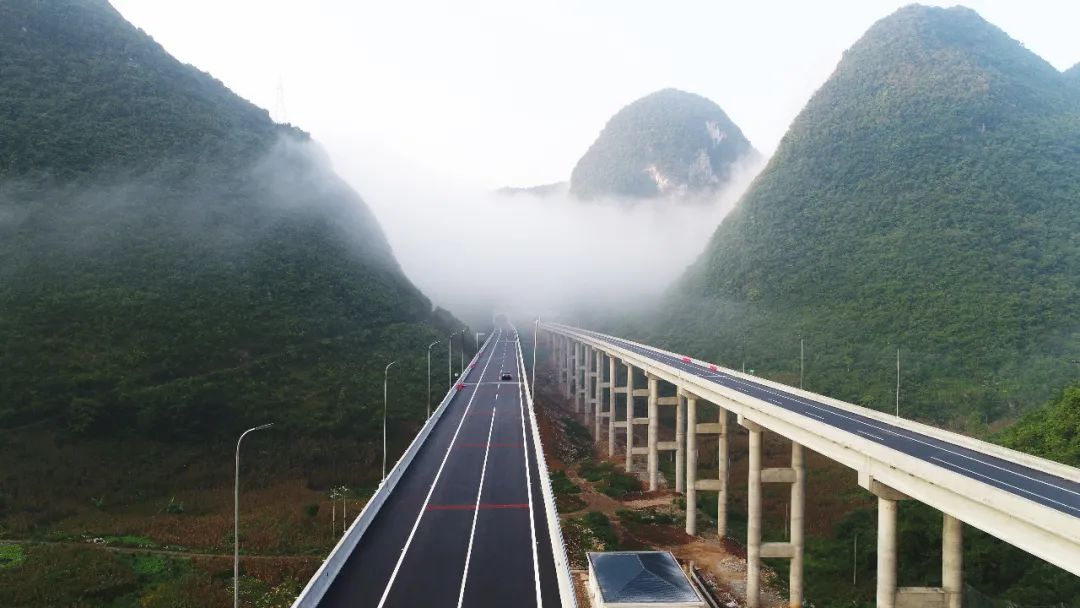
[
  {"x": 1029, "y": 502},
  {"x": 467, "y": 517}
]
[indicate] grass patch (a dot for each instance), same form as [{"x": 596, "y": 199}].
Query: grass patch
[
  {"x": 561, "y": 484},
  {"x": 130, "y": 540},
  {"x": 608, "y": 479},
  {"x": 149, "y": 565},
  {"x": 650, "y": 516},
  {"x": 11, "y": 556},
  {"x": 566, "y": 493}
]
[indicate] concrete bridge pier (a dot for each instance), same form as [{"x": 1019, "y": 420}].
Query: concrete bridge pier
[
  {"x": 889, "y": 595},
  {"x": 671, "y": 446},
  {"x": 589, "y": 396},
  {"x": 654, "y": 432},
  {"x": 693, "y": 484},
  {"x": 571, "y": 363},
  {"x": 579, "y": 377},
  {"x": 571, "y": 367},
  {"x": 612, "y": 385},
  {"x": 792, "y": 548},
  {"x": 581, "y": 398},
  {"x": 632, "y": 418},
  {"x": 952, "y": 561},
  {"x": 598, "y": 395},
  {"x": 680, "y": 444}
]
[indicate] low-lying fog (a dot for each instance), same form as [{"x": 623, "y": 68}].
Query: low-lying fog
[{"x": 474, "y": 250}]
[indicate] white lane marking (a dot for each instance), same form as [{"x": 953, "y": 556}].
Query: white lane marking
[
  {"x": 431, "y": 490},
  {"x": 476, "y": 510},
  {"x": 1019, "y": 489},
  {"x": 840, "y": 413},
  {"x": 871, "y": 435},
  {"x": 813, "y": 415},
  {"x": 528, "y": 483}
]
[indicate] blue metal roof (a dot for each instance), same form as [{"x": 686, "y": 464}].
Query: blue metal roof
[{"x": 644, "y": 577}]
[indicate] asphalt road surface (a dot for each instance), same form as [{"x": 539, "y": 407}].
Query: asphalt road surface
[
  {"x": 465, "y": 525},
  {"x": 1046, "y": 489}
]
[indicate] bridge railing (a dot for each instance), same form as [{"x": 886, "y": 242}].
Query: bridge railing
[
  {"x": 562, "y": 564},
  {"x": 325, "y": 575}
]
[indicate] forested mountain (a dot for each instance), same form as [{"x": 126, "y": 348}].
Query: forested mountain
[
  {"x": 1073, "y": 74},
  {"x": 924, "y": 200},
  {"x": 669, "y": 142},
  {"x": 174, "y": 263}
]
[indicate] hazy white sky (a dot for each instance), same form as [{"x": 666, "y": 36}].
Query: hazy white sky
[{"x": 496, "y": 92}]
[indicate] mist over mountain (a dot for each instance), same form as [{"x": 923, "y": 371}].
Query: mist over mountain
[
  {"x": 667, "y": 143},
  {"x": 171, "y": 260},
  {"x": 924, "y": 200},
  {"x": 543, "y": 190}
]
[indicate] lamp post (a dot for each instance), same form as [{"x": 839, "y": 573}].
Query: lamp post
[
  {"x": 898, "y": 382},
  {"x": 801, "y": 359},
  {"x": 386, "y": 377},
  {"x": 450, "y": 359},
  {"x": 236, "y": 516},
  {"x": 461, "y": 355},
  {"x": 429, "y": 376},
  {"x": 536, "y": 334},
  {"x": 478, "y": 334}
]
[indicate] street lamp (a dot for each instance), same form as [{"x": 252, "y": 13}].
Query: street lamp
[
  {"x": 386, "y": 376},
  {"x": 450, "y": 359},
  {"x": 461, "y": 355},
  {"x": 536, "y": 334},
  {"x": 236, "y": 516},
  {"x": 801, "y": 359},
  {"x": 429, "y": 376}
]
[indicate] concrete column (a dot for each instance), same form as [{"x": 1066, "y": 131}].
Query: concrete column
[
  {"x": 654, "y": 433},
  {"x": 753, "y": 519},
  {"x": 680, "y": 445},
  {"x": 579, "y": 353},
  {"x": 598, "y": 397},
  {"x": 722, "y": 475},
  {"x": 611, "y": 407},
  {"x": 691, "y": 466},
  {"x": 886, "y": 553},
  {"x": 629, "y": 418},
  {"x": 952, "y": 561},
  {"x": 571, "y": 365},
  {"x": 798, "y": 502},
  {"x": 586, "y": 382},
  {"x": 569, "y": 356}
]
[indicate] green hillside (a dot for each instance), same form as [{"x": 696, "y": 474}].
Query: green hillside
[
  {"x": 925, "y": 199},
  {"x": 1073, "y": 74},
  {"x": 669, "y": 142},
  {"x": 174, "y": 266}
]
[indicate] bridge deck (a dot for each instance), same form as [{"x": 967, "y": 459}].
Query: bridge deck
[
  {"x": 465, "y": 526},
  {"x": 1038, "y": 486}
]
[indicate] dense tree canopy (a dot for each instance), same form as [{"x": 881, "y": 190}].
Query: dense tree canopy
[
  {"x": 172, "y": 260},
  {"x": 927, "y": 199}
]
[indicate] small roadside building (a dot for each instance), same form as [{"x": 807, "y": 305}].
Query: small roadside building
[{"x": 640, "y": 579}]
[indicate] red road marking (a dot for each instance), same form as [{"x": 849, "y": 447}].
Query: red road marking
[
  {"x": 460, "y": 386},
  {"x": 686, "y": 359},
  {"x": 471, "y": 507},
  {"x": 712, "y": 367}
]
